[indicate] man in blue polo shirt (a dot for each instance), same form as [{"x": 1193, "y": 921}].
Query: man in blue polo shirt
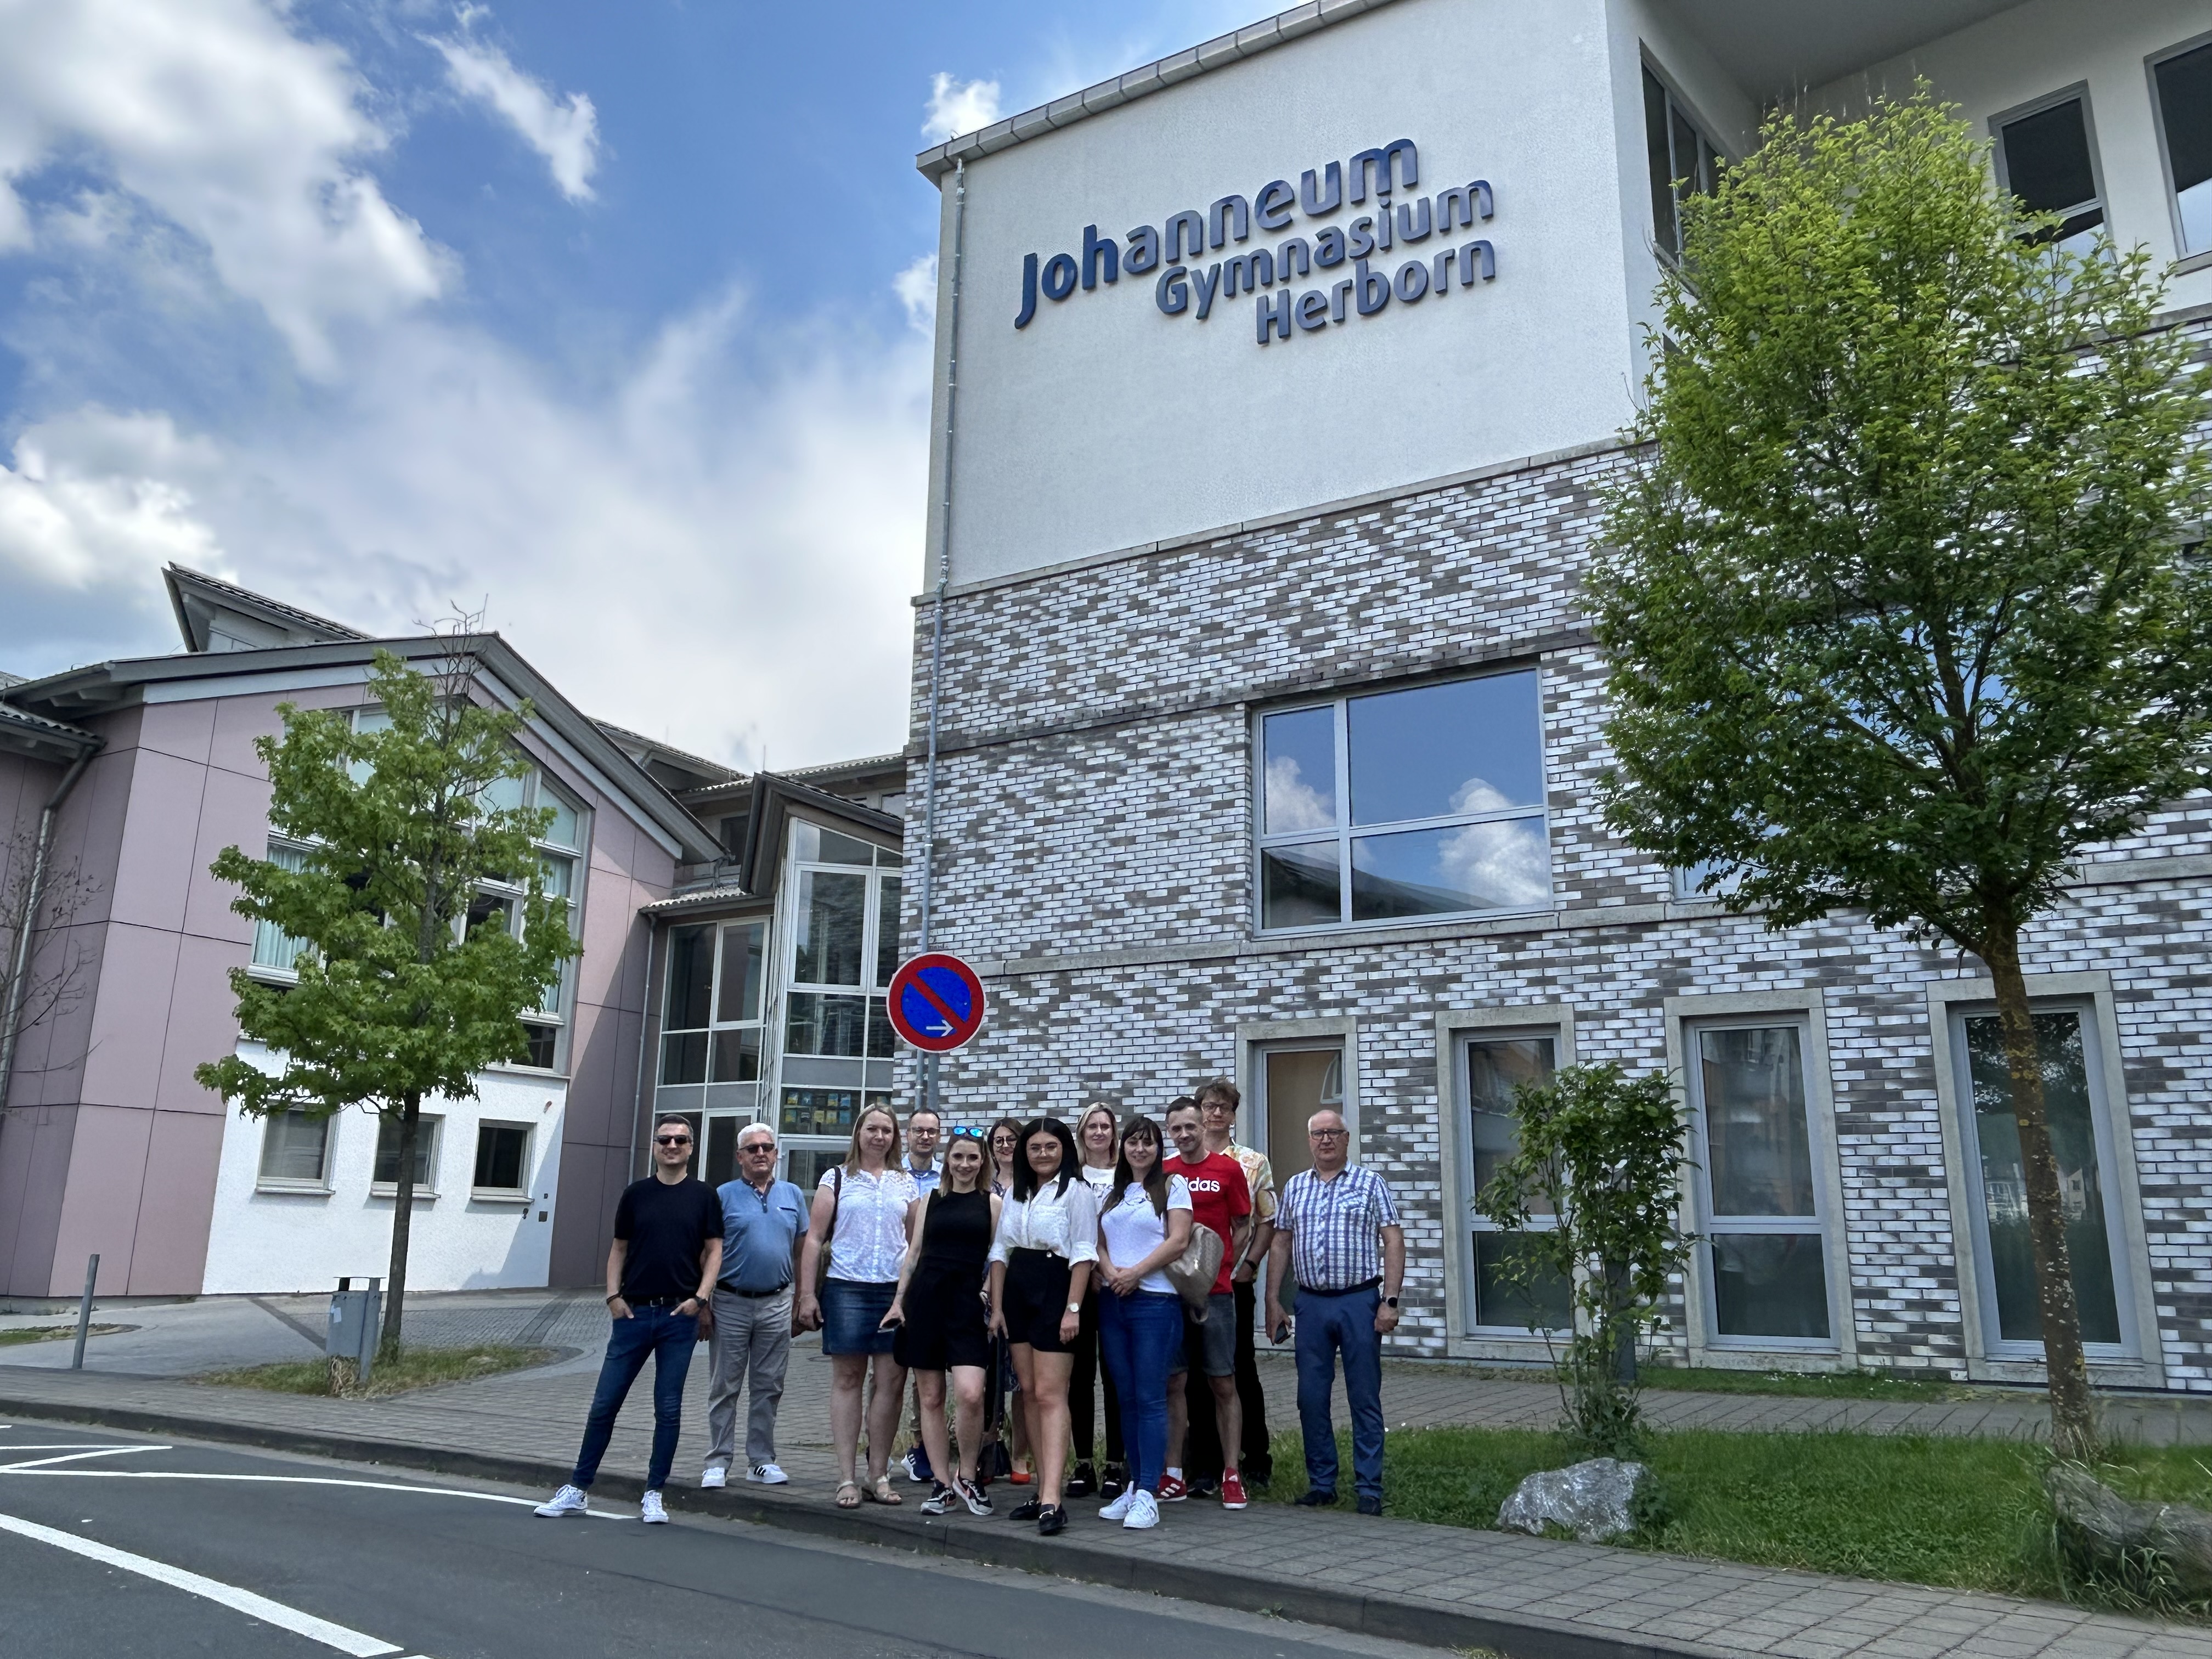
[{"x": 763, "y": 1221}]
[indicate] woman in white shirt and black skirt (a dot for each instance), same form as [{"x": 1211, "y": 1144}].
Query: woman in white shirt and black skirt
[{"x": 1041, "y": 1263}]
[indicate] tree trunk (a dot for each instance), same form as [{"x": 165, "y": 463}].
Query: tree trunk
[
  {"x": 2072, "y": 1408},
  {"x": 403, "y": 1214}
]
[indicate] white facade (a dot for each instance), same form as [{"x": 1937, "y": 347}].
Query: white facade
[{"x": 279, "y": 1234}]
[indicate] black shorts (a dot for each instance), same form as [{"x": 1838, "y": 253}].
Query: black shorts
[
  {"x": 1037, "y": 1298},
  {"x": 1211, "y": 1349}
]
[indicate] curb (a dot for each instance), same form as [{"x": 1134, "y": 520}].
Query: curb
[{"x": 1427, "y": 1624}]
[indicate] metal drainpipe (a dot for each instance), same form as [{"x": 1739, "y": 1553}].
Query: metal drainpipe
[
  {"x": 20, "y": 969},
  {"x": 944, "y": 574}
]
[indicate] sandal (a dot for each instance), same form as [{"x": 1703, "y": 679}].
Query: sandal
[
  {"x": 882, "y": 1493},
  {"x": 852, "y": 1486}
]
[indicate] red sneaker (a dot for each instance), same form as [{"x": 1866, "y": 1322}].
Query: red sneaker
[
  {"x": 1172, "y": 1490},
  {"x": 1233, "y": 1489}
]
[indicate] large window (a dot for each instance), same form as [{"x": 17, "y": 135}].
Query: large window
[
  {"x": 841, "y": 950},
  {"x": 274, "y": 950},
  {"x": 384, "y": 1179},
  {"x": 2045, "y": 156},
  {"x": 1684, "y": 162},
  {"x": 2181, "y": 85},
  {"x": 2074, "y": 1106},
  {"x": 1493, "y": 1067},
  {"x": 295, "y": 1152},
  {"x": 711, "y": 1019},
  {"x": 1762, "y": 1214},
  {"x": 1404, "y": 805},
  {"x": 502, "y": 1167}
]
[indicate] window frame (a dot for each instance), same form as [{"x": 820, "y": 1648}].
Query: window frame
[
  {"x": 2001, "y": 169},
  {"x": 1346, "y": 833},
  {"x": 517, "y": 1194},
  {"x": 320, "y": 1186},
  {"x": 1808, "y": 1010},
  {"x": 1990, "y": 1359},
  {"x": 1456, "y": 1030},
  {"x": 427, "y": 1188},
  {"x": 2186, "y": 259},
  {"x": 720, "y": 928},
  {"x": 1676, "y": 102},
  {"x": 268, "y": 972}
]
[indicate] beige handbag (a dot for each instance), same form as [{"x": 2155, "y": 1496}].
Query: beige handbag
[{"x": 1195, "y": 1272}]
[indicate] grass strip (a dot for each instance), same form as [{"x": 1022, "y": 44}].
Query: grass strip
[
  {"x": 1945, "y": 1511},
  {"x": 415, "y": 1368},
  {"x": 23, "y": 1333}
]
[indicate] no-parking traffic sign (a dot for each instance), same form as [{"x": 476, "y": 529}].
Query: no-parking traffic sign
[{"x": 936, "y": 1002}]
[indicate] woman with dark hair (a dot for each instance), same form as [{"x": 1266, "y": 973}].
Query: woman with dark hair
[
  {"x": 1095, "y": 1133},
  {"x": 1146, "y": 1226},
  {"x": 937, "y": 1312},
  {"x": 1040, "y": 1262},
  {"x": 861, "y": 1211}
]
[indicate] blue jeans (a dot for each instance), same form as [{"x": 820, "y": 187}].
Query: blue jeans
[
  {"x": 1141, "y": 1336},
  {"x": 1325, "y": 1325},
  {"x": 668, "y": 1337}
]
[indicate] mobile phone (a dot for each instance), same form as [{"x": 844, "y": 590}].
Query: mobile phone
[{"x": 1282, "y": 1334}]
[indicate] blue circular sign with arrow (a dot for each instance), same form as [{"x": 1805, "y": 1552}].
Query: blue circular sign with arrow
[{"x": 936, "y": 1002}]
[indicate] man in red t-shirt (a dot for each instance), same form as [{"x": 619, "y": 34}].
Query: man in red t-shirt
[{"x": 1220, "y": 1198}]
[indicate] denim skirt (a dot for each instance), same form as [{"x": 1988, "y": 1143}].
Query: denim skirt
[{"x": 852, "y": 1315}]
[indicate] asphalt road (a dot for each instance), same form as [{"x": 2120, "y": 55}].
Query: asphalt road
[{"x": 115, "y": 1545}]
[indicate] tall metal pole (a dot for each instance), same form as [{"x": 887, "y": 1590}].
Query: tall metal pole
[
  {"x": 937, "y": 607},
  {"x": 84, "y": 1312}
]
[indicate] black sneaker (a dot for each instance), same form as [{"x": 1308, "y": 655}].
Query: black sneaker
[
  {"x": 1115, "y": 1482},
  {"x": 1083, "y": 1482},
  {"x": 973, "y": 1496},
  {"x": 1314, "y": 1497},
  {"x": 1371, "y": 1506},
  {"x": 942, "y": 1501},
  {"x": 1029, "y": 1511},
  {"x": 1205, "y": 1485},
  {"x": 1053, "y": 1522}
]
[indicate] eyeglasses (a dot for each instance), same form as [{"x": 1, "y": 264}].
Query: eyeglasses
[
  {"x": 975, "y": 1136},
  {"x": 757, "y": 1146},
  {"x": 1327, "y": 1134},
  {"x": 672, "y": 1140}
]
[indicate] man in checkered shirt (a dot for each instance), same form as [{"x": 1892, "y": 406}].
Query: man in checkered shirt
[{"x": 1337, "y": 1236}]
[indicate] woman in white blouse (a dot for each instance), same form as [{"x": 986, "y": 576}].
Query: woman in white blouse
[
  {"x": 1143, "y": 1227},
  {"x": 862, "y": 1207},
  {"x": 1041, "y": 1263}
]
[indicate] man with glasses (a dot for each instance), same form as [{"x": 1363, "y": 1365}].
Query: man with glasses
[
  {"x": 1338, "y": 1236},
  {"x": 764, "y": 1220},
  {"x": 667, "y": 1256}
]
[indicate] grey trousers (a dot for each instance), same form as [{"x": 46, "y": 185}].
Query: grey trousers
[{"x": 752, "y": 1333}]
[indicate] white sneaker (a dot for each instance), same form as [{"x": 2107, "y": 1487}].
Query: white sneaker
[
  {"x": 715, "y": 1475},
  {"x": 570, "y": 1500},
  {"x": 651, "y": 1511},
  {"x": 1144, "y": 1512},
  {"x": 1119, "y": 1509},
  {"x": 768, "y": 1475}
]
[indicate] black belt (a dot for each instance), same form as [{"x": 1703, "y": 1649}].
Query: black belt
[
  {"x": 658, "y": 1301},
  {"x": 753, "y": 1295},
  {"x": 1349, "y": 1289}
]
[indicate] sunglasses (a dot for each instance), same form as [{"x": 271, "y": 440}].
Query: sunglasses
[
  {"x": 672, "y": 1140},
  {"x": 976, "y": 1135}
]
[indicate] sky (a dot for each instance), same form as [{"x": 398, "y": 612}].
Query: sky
[{"x": 608, "y": 320}]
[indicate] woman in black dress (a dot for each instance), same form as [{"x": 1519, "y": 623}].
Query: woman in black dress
[{"x": 938, "y": 1314}]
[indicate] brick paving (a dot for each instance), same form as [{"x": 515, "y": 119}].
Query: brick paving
[{"x": 1523, "y": 1595}]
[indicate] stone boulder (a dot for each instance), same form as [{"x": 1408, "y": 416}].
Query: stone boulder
[
  {"x": 1595, "y": 1500},
  {"x": 2101, "y": 1528}
]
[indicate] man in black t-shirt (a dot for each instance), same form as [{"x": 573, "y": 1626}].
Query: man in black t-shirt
[{"x": 667, "y": 1254}]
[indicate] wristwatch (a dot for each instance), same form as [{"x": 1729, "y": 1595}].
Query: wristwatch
[
  {"x": 1075, "y": 1307},
  {"x": 1389, "y": 1301}
]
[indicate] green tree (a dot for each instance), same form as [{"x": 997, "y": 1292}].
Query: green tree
[
  {"x": 413, "y": 971},
  {"x": 1898, "y": 609},
  {"x": 1601, "y": 1154}
]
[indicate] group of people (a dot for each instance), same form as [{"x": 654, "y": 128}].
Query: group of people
[{"x": 997, "y": 1276}]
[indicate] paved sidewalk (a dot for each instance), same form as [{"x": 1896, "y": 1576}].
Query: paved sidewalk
[{"x": 1531, "y": 1598}]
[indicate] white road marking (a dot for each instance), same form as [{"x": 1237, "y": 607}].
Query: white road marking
[
  {"x": 77, "y": 1445},
  {"x": 77, "y": 1454},
  {"x": 295, "y": 1480},
  {"x": 229, "y": 1595}
]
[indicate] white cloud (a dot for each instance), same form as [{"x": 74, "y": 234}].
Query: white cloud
[
  {"x": 1294, "y": 804},
  {"x": 916, "y": 288},
  {"x": 566, "y": 132},
  {"x": 230, "y": 127},
  {"x": 92, "y": 503},
  {"x": 959, "y": 107}
]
